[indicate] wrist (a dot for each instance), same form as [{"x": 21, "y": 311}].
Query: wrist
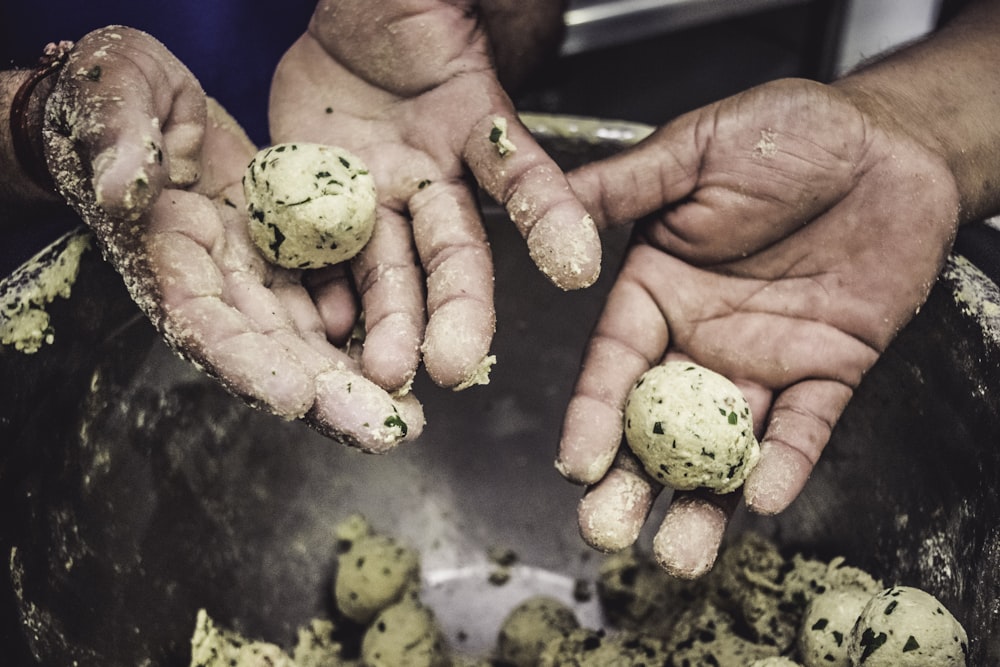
[
  {"x": 943, "y": 92},
  {"x": 23, "y": 95}
]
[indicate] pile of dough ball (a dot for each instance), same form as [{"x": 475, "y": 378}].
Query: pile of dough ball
[
  {"x": 756, "y": 608},
  {"x": 309, "y": 205},
  {"x": 691, "y": 428},
  {"x": 376, "y": 588}
]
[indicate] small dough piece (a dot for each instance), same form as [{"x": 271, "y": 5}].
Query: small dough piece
[
  {"x": 826, "y": 627},
  {"x": 530, "y": 626},
  {"x": 310, "y": 205},
  {"x": 691, "y": 427},
  {"x": 405, "y": 633},
  {"x": 907, "y": 627}
]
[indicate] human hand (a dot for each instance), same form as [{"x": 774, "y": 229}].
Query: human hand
[
  {"x": 787, "y": 234},
  {"x": 155, "y": 169},
  {"x": 410, "y": 89}
]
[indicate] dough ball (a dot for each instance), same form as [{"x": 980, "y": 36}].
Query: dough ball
[
  {"x": 907, "y": 627},
  {"x": 826, "y": 627},
  {"x": 310, "y": 205},
  {"x": 372, "y": 574},
  {"x": 530, "y": 626},
  {"x": 691, "y": 427},
  {"x": 405, "y": 633}
]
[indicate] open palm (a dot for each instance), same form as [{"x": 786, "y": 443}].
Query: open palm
[
  {"x": 411, "y": 89},
  {"x": 786, "y": 236},
  {"x": 155, "y": 169}
]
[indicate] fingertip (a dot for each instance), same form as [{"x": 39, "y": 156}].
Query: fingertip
[
  {"x": 391, "y": 351},
  {"x": 361, "y": 414},
  {"x": 566, "y": 249},
  {"x": 592, "y": 432},
  {"x": 687, "y": 542},
  {"x": 611, "y": 513},
  {"x": 457, "y": 343},
  {"x": 777, "y": 479},
  {"x": 128, "y": 178}
]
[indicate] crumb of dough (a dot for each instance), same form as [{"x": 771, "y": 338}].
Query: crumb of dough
[
  {"x": 373, "y": 572},
  {"x": 24, "y": 295},
  {"x": 904, "y": 626},
  {"x": 309, "y": 205},
  {"x": 212, "y": 646},
  {"x": 691, "y": 427},
  {"x": 826, "y": 627},
  {"x": 404, "y": 633},
  {"x": 498, "y": 137},
  {"x": 316, "y": 646},
  {"x": 479, "y": 375},
  {"x": 530, "y": 626},
  {"x": 775, "y": 661}
]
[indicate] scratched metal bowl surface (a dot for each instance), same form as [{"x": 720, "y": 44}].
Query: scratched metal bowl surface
[{"x": 136, "y": 491}]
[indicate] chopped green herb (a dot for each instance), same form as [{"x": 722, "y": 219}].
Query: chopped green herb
[
  {"x": 871, "y": 642},
  {"x": 394, "y": 421},
  {"x": 911, "y": 644}
]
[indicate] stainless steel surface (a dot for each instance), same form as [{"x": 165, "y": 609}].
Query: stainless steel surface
[
  {"x": 593, "y": 24},
  {"x": 136, "y": 491}
]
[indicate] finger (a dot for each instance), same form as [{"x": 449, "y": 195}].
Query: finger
[
  {"x": 136, "y": 116},
  {"x": 687, "y": 541},
  {"x": 389, "y": 282},
  {"x": 800, "y": 426},
  {"x": 358, "y": 412},
  {"x": 613, "y": 511},
  {"x": 334, "y": 298},
  {"x": 456, "y": 257},
  {"x": 508, "y": 163},
  {"x": 639, "y": 181},
  {"x": 631, "y": 335},
  {"x": 204, "y": 328}
]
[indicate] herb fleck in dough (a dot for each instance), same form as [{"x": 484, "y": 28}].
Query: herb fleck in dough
[
  {"x": 310, "y": 205},
  {"x": 691, "y": 427},
  {"x": 906, "y": 627}
]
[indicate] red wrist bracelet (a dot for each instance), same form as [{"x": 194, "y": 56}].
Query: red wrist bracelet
[{"x": 31, "y": 160}]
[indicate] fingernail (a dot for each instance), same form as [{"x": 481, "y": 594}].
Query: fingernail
[{"x": 776, "y": 480}]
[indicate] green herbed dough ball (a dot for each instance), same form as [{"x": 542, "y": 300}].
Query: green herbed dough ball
[
  {"x": 826, "y": 627},
  {"x": 691, "y": 427},
  {"x": 405, "y": 633},
  {"x": 530, "y": 626},
  {"x": 309, "y": 205},
  {"x": 372, "y": 574},
  {"x": 907, "y": 627}
]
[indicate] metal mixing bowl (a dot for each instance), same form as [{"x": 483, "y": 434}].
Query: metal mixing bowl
[{"x": 136, "y": 491}]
